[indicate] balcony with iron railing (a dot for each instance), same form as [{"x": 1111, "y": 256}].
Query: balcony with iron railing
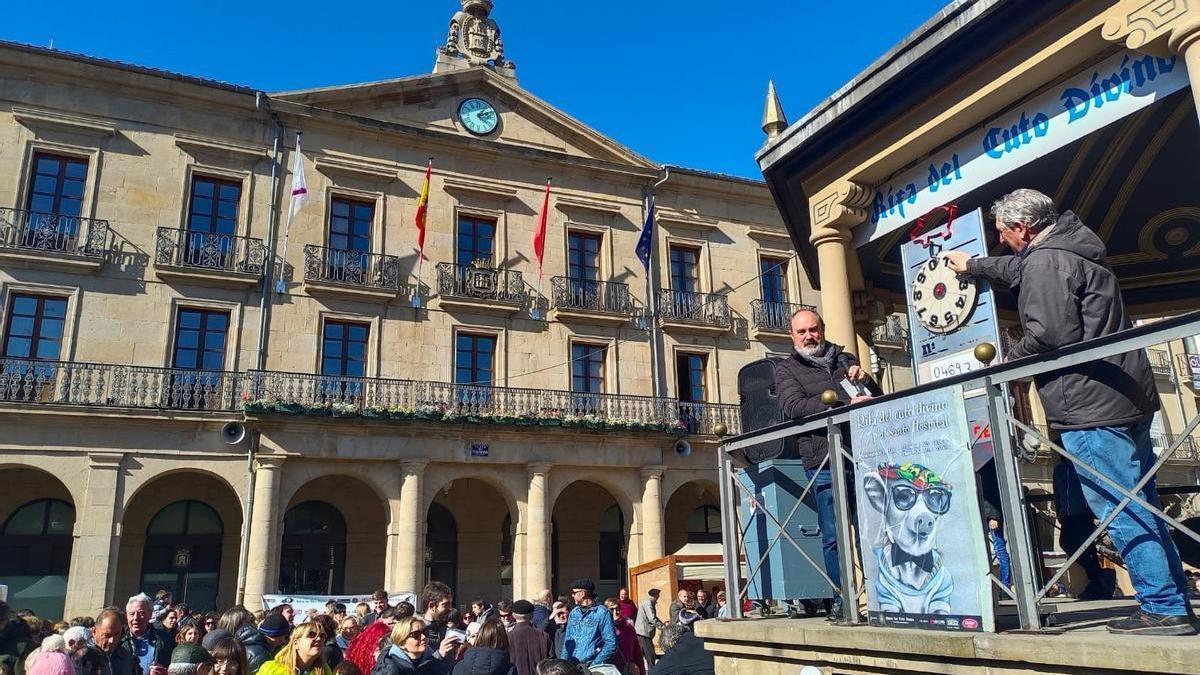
[
  {"x": 692, "y": 312},
  {"x": 25, "y": 382},
  {"x": 209, "y": 257},
  {"x": 773, "y": 318},
  {"x": 601, "y": 302},
  {"x": 1160, "y": 362},
  {"x": 115, "y": 386},
  {"x": 892, "y": 333},
  {"x": 50, "y": 239},
  {"x": 337, "y": 271},
  {"x": 480, "y": 287}
]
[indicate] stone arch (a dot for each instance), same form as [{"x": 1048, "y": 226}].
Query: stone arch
[
  {"x": 68, "y": 472},
  {"x": 680, "y": 510},
  {"x": 44, "y": 547},
  {"x": 138, "y": 564},
  {"x": 359, "y": 503},
  {"x": 483, "y": 568},
  {"x": 580, "y": 545}
]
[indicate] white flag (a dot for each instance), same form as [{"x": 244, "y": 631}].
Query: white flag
[{"x": 299, "y": 184}]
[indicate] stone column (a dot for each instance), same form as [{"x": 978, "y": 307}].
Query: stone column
[
  {"x": 653, "y": 544},
  {"x": 94, "y": 552},
  {"x": 1185, "y": 41},
  {"x": 537, "y": 532},
  {"x": 408, "y": 568},
  {"x": 833, "y": 214},
  {"x": 262, "y": 559}
]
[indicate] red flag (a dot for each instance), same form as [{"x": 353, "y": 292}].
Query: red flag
[
  {"x": 539, "y": 239},
  {"x": 423, "y": 209}
]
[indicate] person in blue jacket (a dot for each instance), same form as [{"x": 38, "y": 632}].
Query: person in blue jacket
[{"x": 590, "y": 638}]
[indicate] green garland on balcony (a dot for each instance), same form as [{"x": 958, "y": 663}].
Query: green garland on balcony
[{"x": 450, "y": 415}]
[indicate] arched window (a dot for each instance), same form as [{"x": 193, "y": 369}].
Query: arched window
[
  {"x": 183, "y": 553},
  {"x": 35, "y": 555},
  {"x": 441, "y": 546},
  {"x": 704, "y": 525},
  {"x": 313, "y": 558}
]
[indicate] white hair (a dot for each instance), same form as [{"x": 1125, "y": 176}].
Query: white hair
[
  {"x": 1028, "y": 207},
  {"x": 143, "y": 599},
  {"x": 54, "y": 643},
  {"x": 77, "y": 634}
]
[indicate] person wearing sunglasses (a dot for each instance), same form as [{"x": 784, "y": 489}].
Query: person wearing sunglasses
[
  {"x": 409, "y": 652},
  {"x": 301, "y": 654}
]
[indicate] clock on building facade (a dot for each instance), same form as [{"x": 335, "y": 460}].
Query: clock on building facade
[{"x": 478, "y": 116}]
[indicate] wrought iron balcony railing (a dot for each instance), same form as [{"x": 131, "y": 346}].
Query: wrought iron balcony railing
[
  {"x": 1160, "y": 361},
  {"x": 107, "y": 385},
  {"x": 480, "y": 281},
  {"x": 774, "y": 316},
  {"x": 467, "y": 402},
  {"x": 891, "y": 332},
  {"x": 210, "y": 251},
  {"x": 591, "y": 296},
  {"x": 53, "y": 233},
  {"x": 351, "y": 268},
  {"x": 706, "y": 309}
]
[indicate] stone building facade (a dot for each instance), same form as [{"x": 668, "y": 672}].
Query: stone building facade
[{"x": 142, "y": 216}]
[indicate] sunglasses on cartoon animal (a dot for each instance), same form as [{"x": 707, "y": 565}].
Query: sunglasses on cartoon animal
[{"x": 905, "y": 496}]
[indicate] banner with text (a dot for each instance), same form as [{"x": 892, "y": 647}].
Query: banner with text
[
  {"x": 303, "y": 603},
  {"x": 924, "y": 558},
  {"x": 1084, "y": 103}
]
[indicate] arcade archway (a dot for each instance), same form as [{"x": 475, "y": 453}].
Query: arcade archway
[
  {"x": 37, "y": 520},
  {"x": 334, "y": 538}
]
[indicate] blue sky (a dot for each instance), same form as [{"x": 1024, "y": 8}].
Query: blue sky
[{"x": 679, "y": 82}]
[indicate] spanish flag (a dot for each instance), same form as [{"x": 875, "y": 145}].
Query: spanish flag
[{"x": 423, "y": 209}]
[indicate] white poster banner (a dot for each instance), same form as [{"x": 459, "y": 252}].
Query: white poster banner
[
  {"x": 924, "y": 558},
  {"x": 303, "y": 603},
  {"x": 1085, "y": 103}
]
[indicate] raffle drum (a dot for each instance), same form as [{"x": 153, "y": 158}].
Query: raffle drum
[{"x": 785, "y": 574}]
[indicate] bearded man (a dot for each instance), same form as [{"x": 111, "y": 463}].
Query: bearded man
[{"x": 814, "y": 367}]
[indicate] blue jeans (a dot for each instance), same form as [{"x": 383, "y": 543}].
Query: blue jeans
[
  {"x": 821, "y": 493},
  {"x": 1124, "y": 454},
  {"x": 1003, "y": 562}
]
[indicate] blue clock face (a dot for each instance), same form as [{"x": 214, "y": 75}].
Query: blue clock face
[{"x": 478, "y": 116}]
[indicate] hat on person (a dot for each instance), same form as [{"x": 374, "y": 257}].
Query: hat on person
[
  {"x": 274, "y": 626},
  {"x": 523, "y": 607},
  {"x": 214, "y": 636},
  {"x": 654, "y": 591},
  {"x": 687, "y": 617},
  {"x": 584, "y": 585},
  {"x": 186, "y": 656}
]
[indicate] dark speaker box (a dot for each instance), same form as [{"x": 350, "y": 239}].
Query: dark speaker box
[{"x": 760, "y": 408}]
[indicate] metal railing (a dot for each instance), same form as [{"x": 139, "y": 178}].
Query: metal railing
[
  {"x": 892, "y": 332},
  {"x": 351, "y": 268},
  {"x": 53, "y": 233},
  {"x": 708, "y": 309},
  {"x": 1029, "y": 589},
  {"x": 107, "y": 385},
  {"x": 209, "y": 251},
  {"x": 1160, "y": 361},
  {"x": 774, "y": 316},
  {"x": 480, "y": 282},
  {"x": 591, "y": 296},
  {"x": 467, "y": 402},
  {"x": 1184, "y": 367}
]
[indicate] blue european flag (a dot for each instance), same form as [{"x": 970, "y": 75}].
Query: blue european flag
[{"x": 647, "y": 239}]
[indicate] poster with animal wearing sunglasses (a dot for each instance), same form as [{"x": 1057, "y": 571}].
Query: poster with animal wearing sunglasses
[{"x": 924, "y": 558}]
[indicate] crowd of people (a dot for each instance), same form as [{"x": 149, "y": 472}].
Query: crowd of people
[{"x": 573, "y": 635}]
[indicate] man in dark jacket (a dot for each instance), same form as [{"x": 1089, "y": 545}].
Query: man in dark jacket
[
  {"x": 110, "y": 652},
  {"x": 527, "y": 644},
  {"x": 683, "y": 652},
  {"x": 814, "y": 367},
  {"x": 1067, "y": 294},
  {"x": 151, "y": 646}
]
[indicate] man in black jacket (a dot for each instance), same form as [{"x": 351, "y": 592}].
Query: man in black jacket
[
  {"x": 814, "y": 367},
  {"x": 1068, "y": 294}
]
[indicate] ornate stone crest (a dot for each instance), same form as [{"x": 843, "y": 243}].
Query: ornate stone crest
[
  {"x": 474, "y": 40},
  {"x": 481, "y": 279}
]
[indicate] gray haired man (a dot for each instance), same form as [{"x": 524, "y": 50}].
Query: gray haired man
[{"x": 1067, "y": 293}]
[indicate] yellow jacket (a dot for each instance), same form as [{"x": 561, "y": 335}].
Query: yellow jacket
[{"x": 274, "y": 667}]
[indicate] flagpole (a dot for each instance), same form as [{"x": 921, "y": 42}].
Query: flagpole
[{"x": 281, "y": 282}]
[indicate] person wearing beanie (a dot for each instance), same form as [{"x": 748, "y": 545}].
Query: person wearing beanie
[
  {"x": 213, "y": 637},
  {"x": 527, "y": 644},
  {"x": 590, "y": 638},
  {"x": 275, "y": 629},
  {"x": 187, "y": 658}
]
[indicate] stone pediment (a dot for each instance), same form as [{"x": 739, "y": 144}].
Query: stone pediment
[{"x": 432, "y": 102}]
